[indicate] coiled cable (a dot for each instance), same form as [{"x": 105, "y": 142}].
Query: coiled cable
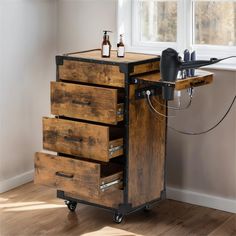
[
  {"x": 208, "y": 130},
  {"x": 148, "y": 93}
]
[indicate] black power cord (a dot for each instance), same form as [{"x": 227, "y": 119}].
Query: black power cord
[
  {"x": 208, "y": 130},
  {"x": 179, "y": 108},
  {"x": 191, "y": 133}
]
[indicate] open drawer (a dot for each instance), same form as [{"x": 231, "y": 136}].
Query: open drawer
[
  {"x": 81, "y": 139},
  {"x": 87, "y": 102},
  {"x": 76, "y": 176}
]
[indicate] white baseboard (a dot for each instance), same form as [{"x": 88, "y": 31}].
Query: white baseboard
[
  {"x": 201, "y": 199},
  {"x": 16, "y": 181}
]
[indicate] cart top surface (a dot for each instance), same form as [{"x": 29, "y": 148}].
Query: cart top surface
[{"x": 130, "y": 57}]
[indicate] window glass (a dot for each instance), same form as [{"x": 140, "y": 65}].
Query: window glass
[
  {"x": 158, "y": 21},
  {"x": 214, "y": 22}
]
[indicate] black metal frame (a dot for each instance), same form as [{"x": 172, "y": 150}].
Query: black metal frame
[{"x": 124, "y": 208}]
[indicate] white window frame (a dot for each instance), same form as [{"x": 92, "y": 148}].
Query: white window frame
[{"x": 126, "y": 16}]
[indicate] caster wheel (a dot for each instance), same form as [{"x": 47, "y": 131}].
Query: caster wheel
[
  {"x": 117, "y": 218},
  {"x": 147, "y": 208},
  {"x": 71, "y": 205}
]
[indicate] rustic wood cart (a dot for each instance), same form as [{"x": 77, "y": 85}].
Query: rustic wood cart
[{"x": 109, "y": 147}]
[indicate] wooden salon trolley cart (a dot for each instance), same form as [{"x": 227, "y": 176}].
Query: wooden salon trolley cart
[{"x": 109, "y": 146}]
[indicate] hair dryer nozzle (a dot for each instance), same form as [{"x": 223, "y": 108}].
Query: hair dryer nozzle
[{"x": 168, "y": 93}]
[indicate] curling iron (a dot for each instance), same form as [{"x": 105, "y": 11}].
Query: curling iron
[{"x": 171, "y": 64}]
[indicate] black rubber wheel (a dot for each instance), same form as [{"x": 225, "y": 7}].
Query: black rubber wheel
[
  {"x": 147, "y": 208},
  {"x": 71, "y": 205},
  {"x": 118, "y": 217}
]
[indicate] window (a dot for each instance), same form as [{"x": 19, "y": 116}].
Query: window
[
  {"x": 209, "y": 27},
  {"x": 214, "y": 23},
  {"x": 158, "y": 21}
]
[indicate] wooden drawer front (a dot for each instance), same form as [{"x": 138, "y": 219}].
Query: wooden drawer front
[
  {"x": 82, "y": 139},
  {"x": 146, "y": 67},
  {"x": 86, "y": 102},
  {"x": 93, "y": 73},
  {"x": 76, "y": 176}
]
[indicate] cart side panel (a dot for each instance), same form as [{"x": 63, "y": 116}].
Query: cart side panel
[{"x": 147, "y": 135}]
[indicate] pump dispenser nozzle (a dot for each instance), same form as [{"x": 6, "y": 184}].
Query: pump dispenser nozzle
[{"x": 105, "y": 31}]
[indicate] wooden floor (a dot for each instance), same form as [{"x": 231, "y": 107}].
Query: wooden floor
[{"x": 34, "y": 210}]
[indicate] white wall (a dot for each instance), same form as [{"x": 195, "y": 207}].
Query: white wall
[
  {"x": 27, "y": 47},
  {"x": 81, "y": 24},
  {"x": 206, "y": 163}
]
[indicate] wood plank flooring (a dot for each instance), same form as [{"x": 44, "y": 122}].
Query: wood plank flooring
[{"x": 34, "y": 210}]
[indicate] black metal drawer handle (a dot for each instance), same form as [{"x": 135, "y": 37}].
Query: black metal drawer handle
[
  {"x": 61, "y": 174},
  {"x": 73, "y": 139},
  {"x": 85, "y": 103}
]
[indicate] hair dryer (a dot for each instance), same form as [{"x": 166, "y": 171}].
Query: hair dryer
[{"x": 170, "y": 65}]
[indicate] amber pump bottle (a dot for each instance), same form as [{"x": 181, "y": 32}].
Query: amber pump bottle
[
  {"x": 106, "y": 45},
  {"x": 120, "y": 47}
]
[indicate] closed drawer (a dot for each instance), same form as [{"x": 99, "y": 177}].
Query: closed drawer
[
  {"x": 86, "y": 102},
  {"x": 93, "y": 73},
  {"x": 76, "y": 176},
  {"x": 81, "y": 139}
]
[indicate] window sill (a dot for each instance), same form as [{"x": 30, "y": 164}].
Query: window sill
[
  {"x": 226, "y": 67},
  {"x": 219, "y": 66}
]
